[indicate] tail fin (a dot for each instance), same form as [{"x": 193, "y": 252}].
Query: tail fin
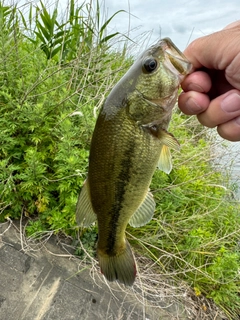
[{"x": 120, "y": 267}]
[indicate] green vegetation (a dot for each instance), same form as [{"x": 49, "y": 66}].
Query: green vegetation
[{"x": 54, "y": 75}]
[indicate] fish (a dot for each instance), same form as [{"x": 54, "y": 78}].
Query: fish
[{"x": 129, "y": 142}]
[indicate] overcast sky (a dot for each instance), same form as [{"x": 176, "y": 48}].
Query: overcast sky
[{"x": 182, "y": 21}]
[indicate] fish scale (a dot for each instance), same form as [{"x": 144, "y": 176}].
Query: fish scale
[{"x": 122, "y": 196}]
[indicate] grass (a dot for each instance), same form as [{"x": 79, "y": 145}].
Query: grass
[{"x": 55, "y": 74}]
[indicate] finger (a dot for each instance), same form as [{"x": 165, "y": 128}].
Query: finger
[
  {"x": 215, "y": 51},
  {"x": 232, "y": 71},
  {"x": 222, "y": 109},
  {"x": 233, "y": 24},
  {"x": 193, "y": 102},
  {"x": 197, "y": 81},
  {"x": 230, "y": 130}
]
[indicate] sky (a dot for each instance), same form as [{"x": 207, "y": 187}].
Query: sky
[{"x": 182, "y": 21}]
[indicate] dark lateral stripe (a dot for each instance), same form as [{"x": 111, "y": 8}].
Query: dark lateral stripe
[{"x": 122, "y": 180}]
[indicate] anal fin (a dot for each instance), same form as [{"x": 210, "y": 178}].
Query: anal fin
[
  {"x": 85, "y": 215},
  {"x": 144, "y": 213}
]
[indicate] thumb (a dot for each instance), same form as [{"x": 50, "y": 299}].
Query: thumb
[{"x": 220, "y": 51}]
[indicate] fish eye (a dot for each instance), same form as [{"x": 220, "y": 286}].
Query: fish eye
[{"x": 150, "y": 65}]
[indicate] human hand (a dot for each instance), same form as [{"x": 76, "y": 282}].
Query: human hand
[{"x": 212, "y": 91}]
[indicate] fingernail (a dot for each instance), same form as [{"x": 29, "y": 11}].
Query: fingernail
[
  {"x": 194, "y": 87},
  {"x": 231, "y": 103},
  {"x": 237, "y": 120},
  {"x": 193, "y": 106}
]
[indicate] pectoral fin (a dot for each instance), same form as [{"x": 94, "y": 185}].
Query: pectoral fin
[
  {"x": 84, "y": 212},
  {"x": 165, "y": 160},
  {"x": 168, "y": 139},
  {"x": 144, "y": 213}
]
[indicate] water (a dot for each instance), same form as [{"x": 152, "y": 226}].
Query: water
[{"x": 226, "y": 158}]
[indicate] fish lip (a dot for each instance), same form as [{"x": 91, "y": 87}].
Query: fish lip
[{"x": 166, "y": 42}]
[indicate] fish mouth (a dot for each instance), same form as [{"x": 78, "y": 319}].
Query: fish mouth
[
  {"x": 182, "y": 66},
  {"x": 175, "y": 59}
]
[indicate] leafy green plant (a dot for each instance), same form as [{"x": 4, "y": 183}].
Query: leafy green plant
[
  {"x": 47, "y": 117},
  {"x": 88, "y": 243},
  {"x": 81, "y": 32}
]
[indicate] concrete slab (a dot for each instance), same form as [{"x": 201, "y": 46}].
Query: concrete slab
[{"x": 45, "y": 283}]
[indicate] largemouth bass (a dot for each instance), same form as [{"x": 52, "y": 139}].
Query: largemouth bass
[{"x": 129, "y": 141}]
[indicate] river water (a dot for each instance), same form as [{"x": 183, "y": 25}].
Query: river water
[{"x": 227, "y": 160}]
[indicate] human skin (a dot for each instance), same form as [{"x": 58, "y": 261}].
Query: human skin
[{"x": 212, "y": 90}]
